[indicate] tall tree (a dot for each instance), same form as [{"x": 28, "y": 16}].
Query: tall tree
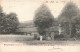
[
  {"x": 76, "y": 26},
  {"x": 68, "y": 12},
  {"x": 9, "y": 23},
  {"x": 1, "y": 9},
  {"x": 43, "y": 19},
  {"x": 2, "y": 17}
]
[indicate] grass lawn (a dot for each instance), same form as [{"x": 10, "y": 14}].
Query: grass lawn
[{"x": 29, "y": 40}]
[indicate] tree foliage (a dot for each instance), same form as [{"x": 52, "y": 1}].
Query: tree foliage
[
  {"x": 8, "y": 22},
  {"x": 76, "y": 26},
  {"x": 12, "y": 23},
  {"x": 69, "y": 12},
  {"x": 43, "y": 18}
]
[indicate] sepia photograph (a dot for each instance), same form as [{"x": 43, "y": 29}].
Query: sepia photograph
[{"x": 39, "y": 25}]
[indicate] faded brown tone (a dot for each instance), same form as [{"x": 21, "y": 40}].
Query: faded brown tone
[{"x": 26, "y": 12}]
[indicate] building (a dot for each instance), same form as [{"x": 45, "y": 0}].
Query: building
[{"x": 31, "y": 30}]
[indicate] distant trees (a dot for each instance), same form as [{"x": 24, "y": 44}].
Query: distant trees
[
  {"x": 69, "y": 12},
  {"x": 8, "y": 22},
  {"x": 43, "y": 19}
]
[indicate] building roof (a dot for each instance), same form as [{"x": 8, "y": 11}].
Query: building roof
[
  {"x": 34, "y": 29},
  {"x": 27, "y": 29}
]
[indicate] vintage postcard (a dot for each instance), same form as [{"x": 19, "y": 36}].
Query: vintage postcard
[{"x": 39, "y": 25}]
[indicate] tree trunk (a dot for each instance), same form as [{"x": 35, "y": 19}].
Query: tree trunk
[
  {"x": 52, "y": 35},
  {"x": 70, "y": 26}
]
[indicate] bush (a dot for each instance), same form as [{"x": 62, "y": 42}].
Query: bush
[{"x": 59, "y": 37}]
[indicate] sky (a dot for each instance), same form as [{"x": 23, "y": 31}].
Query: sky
[{"x": 25, "y": 9}]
